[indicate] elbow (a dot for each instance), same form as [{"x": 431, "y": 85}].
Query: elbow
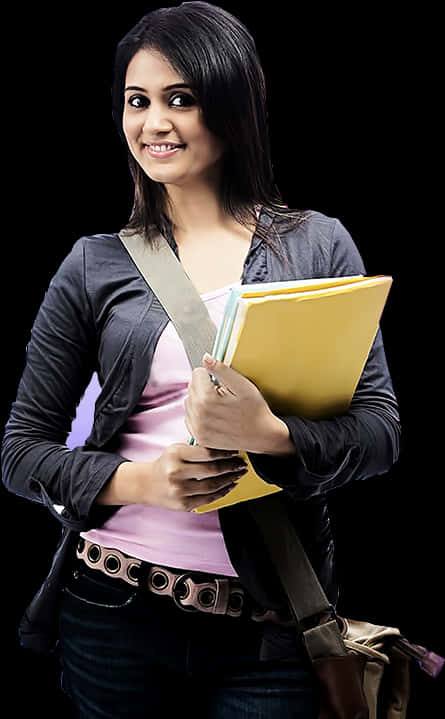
[
  {"x": 15, "y": 476},
  {"x": 375, "y": 448},
  {"x": 397, "y": 441},
  {"x": 6, "y": 461},
  {"x": 14, "y": 447},
  {"x": 380, "y": 444},
  {"x": 394, "y": 433}
]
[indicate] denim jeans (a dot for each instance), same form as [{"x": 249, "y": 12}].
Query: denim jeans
[{"x": 126, "y": 652}]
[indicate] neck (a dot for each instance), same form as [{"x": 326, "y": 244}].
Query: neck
[
  {"x": 199, "y": 213},
  {"x": 199, "y": 219}
]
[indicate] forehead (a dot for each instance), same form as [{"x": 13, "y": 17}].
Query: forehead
[{"x": 150, "y": 67}]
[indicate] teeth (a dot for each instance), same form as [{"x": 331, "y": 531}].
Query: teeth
[{"x": 162, "y": 148}]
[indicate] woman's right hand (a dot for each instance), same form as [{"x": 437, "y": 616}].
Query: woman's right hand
[{"x": 186, "y": 476}]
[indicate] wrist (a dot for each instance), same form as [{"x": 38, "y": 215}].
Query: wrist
[
  {"x": 279, "y": 441},
  {"x": 123, "y": 487}
]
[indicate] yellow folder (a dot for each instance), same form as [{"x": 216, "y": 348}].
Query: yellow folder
[{"x": 304, "y": 344}]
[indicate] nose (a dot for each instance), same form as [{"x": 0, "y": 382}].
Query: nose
[{"x": 154, "y": 123}]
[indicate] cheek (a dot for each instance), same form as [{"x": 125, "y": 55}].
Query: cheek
[
  {"x": 207, "y": 150},
  {"x": 203, "y": 143},
  {"x": 131, "y": 129},
  {"x": 216, "y": 148}
]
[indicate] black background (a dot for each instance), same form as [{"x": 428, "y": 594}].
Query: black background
[{"x": 348, "y": 105}]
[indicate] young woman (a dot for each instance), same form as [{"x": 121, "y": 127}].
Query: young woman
[{"x": 162, "y": 609}]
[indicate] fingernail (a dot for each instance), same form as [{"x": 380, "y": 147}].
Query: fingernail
[{"x": 209, "y": 359}]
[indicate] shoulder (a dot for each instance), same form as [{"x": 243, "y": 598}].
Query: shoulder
[
  {"x": 318, "y": 226},
  {"x": 91, "y": 244},
  {"x": 87, "y": 258},
  {"x": 98, "y": 248},
  {"x": 329, "y": 243},
  {"x": 106, "y": 240}
]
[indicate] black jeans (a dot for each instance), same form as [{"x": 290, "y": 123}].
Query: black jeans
[{"x": 126, "y": 652}]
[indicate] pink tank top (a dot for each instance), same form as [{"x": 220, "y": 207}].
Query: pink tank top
[{"x": 177, "y": 539}]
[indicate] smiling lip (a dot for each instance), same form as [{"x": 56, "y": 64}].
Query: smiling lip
[{"x": 168, "y": 153}]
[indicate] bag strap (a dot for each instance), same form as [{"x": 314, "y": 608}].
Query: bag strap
[{"x": 167, "y": 278}]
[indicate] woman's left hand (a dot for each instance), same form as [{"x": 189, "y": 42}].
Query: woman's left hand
[{"x": 235, "y": 417}]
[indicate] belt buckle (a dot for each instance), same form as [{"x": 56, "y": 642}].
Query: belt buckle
[
  {"x": 214, "y": 597},
  {"x": 175, "y": 593}
]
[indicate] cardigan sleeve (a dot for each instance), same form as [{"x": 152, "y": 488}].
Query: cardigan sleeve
[
  {"x": 362, "y": 442},
  {"x": 60, "y": 361}
]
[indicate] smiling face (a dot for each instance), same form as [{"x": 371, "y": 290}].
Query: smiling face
[{"x": 153, "y": 114}]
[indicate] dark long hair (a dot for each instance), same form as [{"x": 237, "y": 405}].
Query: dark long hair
[{"x": 216, "y": 55}]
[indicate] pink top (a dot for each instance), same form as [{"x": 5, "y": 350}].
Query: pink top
[{"x": 176, "y": 539}]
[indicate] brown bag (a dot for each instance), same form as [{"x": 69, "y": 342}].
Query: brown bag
[
  {"x": 341, "y": 687},
  {"x": 350, "y": 658},
  {"x": 381, "y": 652},
  {"x": 372, "y": 679}
]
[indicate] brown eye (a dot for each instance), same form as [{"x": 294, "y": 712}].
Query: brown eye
[
  {"x": 136, "y": 97},
  {"x": 188, "y": 99}
]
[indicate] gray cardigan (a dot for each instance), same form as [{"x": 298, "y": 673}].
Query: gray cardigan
[{"x": 99, "y": 315}]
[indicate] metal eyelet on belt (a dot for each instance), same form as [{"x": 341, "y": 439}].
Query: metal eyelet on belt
[
  {"x": 206, "y": 597},
  {"x": 94, "y": 553},
  {"x": 133, "y": 571},
  {"x": 159, "y": 580},
  {"x": 236, "y": 600},
  {"x": 112, "y": 563},
  {"x": 80, "y": 545}
]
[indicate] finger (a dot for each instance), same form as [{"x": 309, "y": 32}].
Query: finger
[
  {"x": 202, "y": 499},
  {"x": 201, "y": 381},
  {"x": 226, "y": 375},
  {"x": 209, "y": 485},
  {"x": 208, "y": 453}
]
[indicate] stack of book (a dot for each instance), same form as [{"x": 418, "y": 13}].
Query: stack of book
[{"x": 304, "y": 344}]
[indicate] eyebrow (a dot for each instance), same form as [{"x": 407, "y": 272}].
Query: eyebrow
[{"x": 168, "y": 87}]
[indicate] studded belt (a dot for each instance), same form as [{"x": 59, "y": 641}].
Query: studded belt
[{"x": 220, "y": 595}]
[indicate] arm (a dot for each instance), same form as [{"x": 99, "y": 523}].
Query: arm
[
  {"x": 361, "y": 443},
  {"x": 60, "y": 361}
]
